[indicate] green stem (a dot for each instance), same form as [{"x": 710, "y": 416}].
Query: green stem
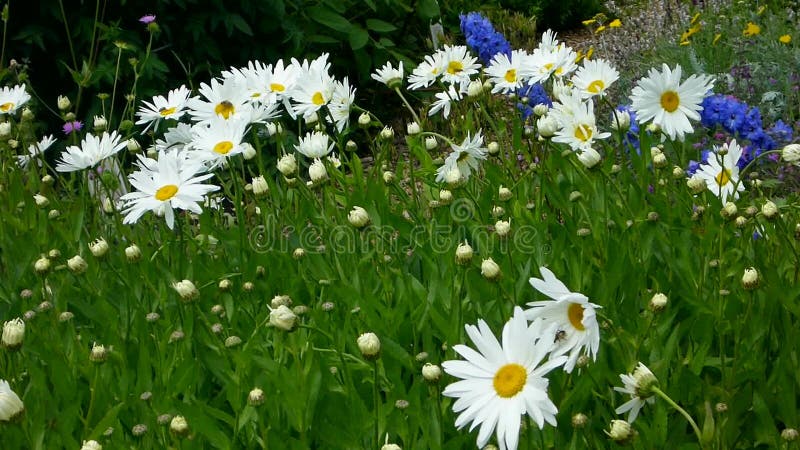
[
  {"x": 376, "y": 403},
  {"x": 683, "y": 412},
  {"x": 405, "y": 102}
]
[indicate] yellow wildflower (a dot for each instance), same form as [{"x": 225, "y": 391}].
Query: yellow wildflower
[
  {"x": 785, "y": 39},
  {"x": 588, "y": 22},
  {"x": 684, "y": 43},
  {"x": 716, "y": 38},
  {"x": 752, "y": 29},
  {"x": 761, "y": 9},
  {"x": 691, "y": 31},
  {"x": 694, "y": 18},
  {"x": 616, "y": 23},
  {"x": 589, "y": 52},
  {"x": 600, "y": 29}
]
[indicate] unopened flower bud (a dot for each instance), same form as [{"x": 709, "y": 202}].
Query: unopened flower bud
[
  {"x": 658, "y": 302},
  {"x": 387, "y": 133},
  {"x": 92, "y": 444},
  {"x": 63, "y": 103},
  {"x": 547, "y": 126},
  {"x": 579, "y": 420},
  {"x": 186, "y": 289},
  {"x": 504, "y": 194},
  {"x": 317, "y": 171},
  {"x": 489, "y": 269},
  {"x": 287, "y": 164},
  {"x": 179, "y": 426},
  {"x": 283, "y": 318},
  {"x": 620, "y": 120},
  {"x": 369, "y": 345},
  {"x": 431, "y": 373},
  {"x": 791, "y": 153},
  {"x": 248, "y": 151},
  {"x": 255, "y": 397},
  {"x": 98, "y": 353},
  {"x": 660, "y": 160},
  {"x": 729, "y": 210},
  {"x": 540, "y": 109},
  {"x": 77, "y": 265},
  {"x": 475, "y": 88},
  {"x": 100, "y": 123},
  {"x": 98, "y": 247},
  {"x": 769, "y": 210},
  {"x": 42, "y": 265},
  {"x": 621, "y": 432},
  {"x": 789, "y": 434},
  {"x": 364, "y": 119},
  {"x": 13, "y": 334},
  {"x": 463, "y": 253},
  {"x": 431, "y": 143},
  {"x": 502, "y": 227},
  {"x": 589, "y": 157},
  {"x": 358, "y": 217},
  {"x": 388, "y": 177},
  {"x": 413, "y": 128},
  {"x": 751, "y": 278},
  {"x": 696, "y": 184},
  {"x": 260, "y": 186},
  {"x": 40, "y": 200}
]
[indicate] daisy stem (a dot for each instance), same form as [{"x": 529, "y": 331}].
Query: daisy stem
[
  {"x": 407, "y": 105},
  {"x": 114, "y": 88},
  {"x": 749, "y": 165},
  {"x": 376, "y": 402},
  {"x": 683, "y": 412}
]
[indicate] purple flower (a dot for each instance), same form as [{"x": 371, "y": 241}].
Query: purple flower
[
  {"x": 72, "y": 127},
  {"x": 148, "y": 19}
]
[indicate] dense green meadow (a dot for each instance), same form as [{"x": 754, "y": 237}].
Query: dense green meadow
[{"x": 539, "y": 247}]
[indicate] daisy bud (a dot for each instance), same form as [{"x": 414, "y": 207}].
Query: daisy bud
[
  {"x": 272, "y": 129},
  {"x": 11, "y": 407},
  {"x": 498, "y": 211},
  {"x": 63, "y": 103},
  {"x": 42, "y": 265},
  {"x": 358, "y": 217},
  {"x": 490, "y": 270},
  {"x": 721, "y": 407},
  {"x": 287, "y": 165},
  {"x": 729, "y": 210},
  {"x": 574, "y": 196},
  {"x": 299, "y": 253},
  {"x": 152, "y": 153},
  {"x": 490, "y": 447},
  {"x": 133, "y": 145},
  {"x": 620, "y": 120},
  {"x": 249, "y": 152},
  {"x": 769, "y": 210},
  {"x": 750, "y": 279},
  {"x": 388, "y": 177},
  {"x": 283, "y": 318},
  {"x": 255, "y": 397},
  {"x": 179, "y": 426},
  {"x": 387, "y": 133},
  {"x": 645, "y": 381},
  {"x": 280, "y": 300},
  {"x": 5, "y": 129},
  {"x": 621, "y": 432},
  {"x": 13, "y": 334},
  {"x": 677, "y": 172},
  {"x": 547, "y": 126},
  {"x": 616, "y": 168},
  {"x": 789, "y": 434},
  {"x": 312, "y": 119},
  {"x": 248, "y": 286},
  {"x": 445, "y": 196},
  {"x": 53, "y": 214},
  {"x": 658, "y": 302},
  {"x": 740, "y": 222},
  {"x": 139, "y": 430},
  {"x": 27, "y": 114},
  {"x": 186, "y": 289},
  {"x": 463, "y": 253},
  {"x": 412, "y": 128},
  {"x": 589, "y": 157},
  {"x": 504, "y": 194},
  {"x": 579, "y": 420},
  {"x": 583, "y": 232},
  {"x": 225, "y": 285},
  {"x": 475, "y": 88},
  {"x": 13, "y": 143},
  {"x": 493, "y": 148},
  {"x": 98, "y": 247},
  {"x": 696, "y": 184},
  {"x": 369, "y": 345},
  {"x": 91, "y": 445},
  {"x": 364, "y": 119},
  {"x": 98, "y": 354},
  {"x": 217, "y": 310},
  {"x": 540, "y": 109},
  {"x": 431, "y": 143},
  {"x": 317, "y": 171},
  {"x": 431, "y": 373},
  {"x": 453, "y": 177},
  {"x": 791, "y": 153},
  {"x": 133, "y": 253},
  {"x": 65, "y": 316},
  {"x": 176, "y": 336},
  {"x": 232, "y": 341},
  {"x": 100, "y": 123},
  {"x": 260, "y": 186},
  {"x": 41, "y": 200},
  {"x": 391, "y": 447},
  {"x": 502, "y": 227},
  {"x": 660, "y": 160},
  {"x": 653, "y": 128},
  {"x": 77, "y": 265},
  {"x": 350, "y": 146}
]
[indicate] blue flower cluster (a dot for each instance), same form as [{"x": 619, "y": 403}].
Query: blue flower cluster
[
  {"x": 536, "y": 95},
  {"x": 482, "y": 38}
]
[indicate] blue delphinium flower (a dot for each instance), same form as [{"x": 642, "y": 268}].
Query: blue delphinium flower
[
  {"x": 781, "y": 133},
  {"x": 482, "y": 38},
  {"x": 632, "y": 136},
  {"x": 536, "y": 95}
]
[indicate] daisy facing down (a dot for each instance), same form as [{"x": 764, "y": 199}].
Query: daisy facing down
[
  {"x": 163, "y": 185},
  {"x": 500, "y": 383},
  {"x": 572, "y": 316},
  {"x": 723, "y": 179},
  {"x": 464, "y": 159}
]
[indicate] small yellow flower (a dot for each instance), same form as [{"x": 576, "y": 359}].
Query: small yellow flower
[
  {"x": 684, "y": 43},
  {"x": 589, "y": 52},
  {"x": 690, "y": 32},
  {"x": 588, "y": 22},
  {"x": 785, "y": 39},
  {"x": 752, "y": 29},
  {"x": 761, "y": 9},
  {"x": 716, "y": 38},
  {"x": 600, "y": 29},
  {"x": 579, "y": 57},
  {"x": 694, "y": 18},
  {"x": 616, "y": 23}
]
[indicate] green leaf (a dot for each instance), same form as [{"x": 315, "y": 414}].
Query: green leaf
[
  {"x": 380, "y": 26},
  {"x": 428, "y": 9},
  {"x": 329, "y": 18},
  {"x": 240, "y": 24},
  {"x": 358, "y": 38}
]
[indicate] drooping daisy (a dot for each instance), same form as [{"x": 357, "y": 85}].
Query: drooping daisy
[
  {"x": 723, "y": 179},
  {"x": 389, "y": 76},
  {"x": 500, "y": 383},
  {"x": 572, "y": 315},
  {"x": 504, "y": 72},
  {"x": 171, "y": 107},
  {"x": 314, "y": 145},
  {"x": 458, "y": 65},
  {"x": 426, "y": 72},
  {"x": 639, "y": 385},
  {"x": 169, "y": 183},
  {"x": 176, "y": 138},
  {"x": 217, "y": 140},
  {"x": 663, "y": 99},
  {"x": 11, "y": 99},
  {"x": 92, "y": 150},
  {"x": 444, "y": 100},
  {"x": 35, "y": 150},
  {"x": 465, "y": 158},
  {"x": 594, "y": 77}
]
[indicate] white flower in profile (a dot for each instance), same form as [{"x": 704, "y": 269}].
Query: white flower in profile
[
  {"x": 572, "y": 315},
  {"x": 213, "y": 142},
  {"x": 465, "y": 158},
  {"x": 426, "y": 72},
  {"x": 504, "y": 72},
  {"x": 315, "y": 144},
  {"x": 169, "y": 183},
  {"x": 639, "y": 385},
  {"x": 34, "y": 151},
  {"x": 389, "y": 76},
  {"x": 175, "y": 138},
  {"x": 11, "y": 99},
  {"x": 501, "y": 383},
  {"x": 444, "y": 101},
  {"x": 549, "y": 42},
  {"x": 173, "y": 106},
  {"x": 10, "y": 404},
  {"x": 662, "y": 98},
  {"x": 594, "y": 77},
  {"x": 721, "y": 172},
  {"x": 341, "y": 101},
  {"x": 92, "y": 150}
]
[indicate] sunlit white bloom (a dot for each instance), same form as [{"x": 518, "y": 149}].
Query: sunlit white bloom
[
  {"x": 594, "y": 77},
  {"x": 571, "y": 313},
  {"x": 427, "y": 72},
  {"x": 173, "y": 106},
  {"x": 177, "y": 138},
  {"x": 458, "y": 65},
  {"x": 465, "y": 158},
  {"x": 543, "y": 63},
  {"x": 215, "y": 141},
  {"x": 639, "y": 385},
  {"x": 575, "y": 117},
  {"x": 444, "y": 101},
  {"x": 313, "y": 87},
  {"x": 663, "y": 99},
  {"x": 342, "y": 99},
  {"x": 34, "y": 151},
  {"x": 10, "y": 404},
  {"x": 723, "y": 179},
  {"x": 504, "y": 72},
  {"x": 92, "y": 150},
  {"x": 389, "y": 76},
  {"x": 549, "y": 42},
  {"x": 315, "y": 145},
  {"x": 11, "y": 99},
  {"x": 501, "y": 383},
  {"x": 169, "y": 183}
]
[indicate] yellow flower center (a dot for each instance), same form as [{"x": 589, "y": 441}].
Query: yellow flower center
[
  {"x": 723, "y": 178},
  {"x": 509, "y": 380},
  {"x": 166, "y": 192},
  {"x": 317, "y": 98},
  {"x": 277, "y": 87},
  {"x": 6, "y": 107},
  {"x": 670, "y": 101},
  {"x": 583, "y": 133},
  {"x": 223, "y": 147},
  {"x": 575, "y": 314},
  {"x": 225, "y": 109},
  {"x": 166, "y": 111},
  {"x": 453, "y": 67},
  {"x": 462, "y": 157},
  {"x": 511, "y": 75},
  {"x": 548, "y": 67},
  {"x": 596, "y": 86}
]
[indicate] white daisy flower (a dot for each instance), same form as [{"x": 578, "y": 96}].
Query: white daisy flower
[
  {"x": 313, "y": 86},
  {"x": 549, "y": 42},
  {"x": 427, "y": 72},
  {"x": 500, "y": 383},
  {"x": 314, "y": 145},
  {"x": 11, "y": 405},
  {"x": 221, "y": 100},
  {"x": 594, "y": 77},
  {"x": 465, "y": 158},
  {"x": 444, "y": 101},
  {"x": 458, "y": 65},
  {"x": 92, "y": 150},
  {"x": 504, "y": 72},
  {"x": 11, "y": 99},
  {"x": 639, "y": 385},
  {"x": 663, "y": 99},
  {"x": 175, "y": 138},
  {"x": 723, "y": 179},
  {"x": 215, "y": 141},
  {"x": 578, "y": 126},
  {"x": 167, "y": 184},
  {"x": 543, "y": 63},
  {"x": 173, "y": 106},
  {"x": 341, "y": 101},
  {"x": 34, "y": 151},
  {"x": 389, "y": 76},
  {"x": 572, "y": 315}
]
